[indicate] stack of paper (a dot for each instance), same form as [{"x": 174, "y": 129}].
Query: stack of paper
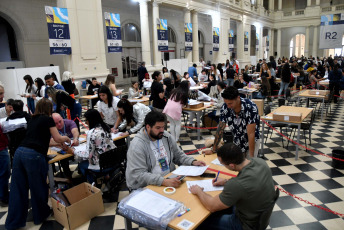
[
  {"x": 207, "y": 185},
  {"x": 190, "y": 170},
  {"x": 113, "y": 135}
]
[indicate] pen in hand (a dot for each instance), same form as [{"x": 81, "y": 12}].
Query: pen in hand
[{"x": 217, "y": 176}]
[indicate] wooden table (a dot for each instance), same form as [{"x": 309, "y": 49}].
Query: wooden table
[
  {"x": 89, "y": 98},
  {"x": 305, "y": 113},
  {"x": 198, "y": 213},
  {"x": 248, "y": 91},
  {"x": 325, "y": 83},
  {"x": 198, "y": 113},
  {"x": 306, "y": 94},
  {"x": 143, "y": 100}
]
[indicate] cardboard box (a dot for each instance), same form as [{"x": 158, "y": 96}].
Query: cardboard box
[
  {"x": 287, "y": 116},
  {"x": 260, "y": 105},
  {"x": 86, "y": 202},
  {"x": 319, "y": 92},
  {"x": 196, "y": 106}
]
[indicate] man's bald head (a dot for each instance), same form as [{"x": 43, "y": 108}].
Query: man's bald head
[{"x": 58, "y": 121}]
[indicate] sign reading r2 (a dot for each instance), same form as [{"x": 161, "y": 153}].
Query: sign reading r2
[{"x": 330, "y": 35}]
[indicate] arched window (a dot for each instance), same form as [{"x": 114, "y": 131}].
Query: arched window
[
  {"x": 297, "y": 45},
  {"x": 171, "y": 35},
  {"x": 8, "y": 44},
  {"x": 130, "y": 33}
]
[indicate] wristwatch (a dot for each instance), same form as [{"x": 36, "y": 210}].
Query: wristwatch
[{"x": 212, "y": 149}]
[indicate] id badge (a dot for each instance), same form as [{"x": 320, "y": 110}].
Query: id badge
[{"x": 163, "y": 164}]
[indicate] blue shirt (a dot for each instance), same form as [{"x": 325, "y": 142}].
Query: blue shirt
[
  {"x": 238, "y": 124},
  {"x": 192, "y": 72}
]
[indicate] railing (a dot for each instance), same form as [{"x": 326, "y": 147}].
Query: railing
[
  {"x": 287, "y": 14},
  {"x": 339, "y": 7},
  {"x": 326, "y": 9},
  {"x": 299, "y": 12}
]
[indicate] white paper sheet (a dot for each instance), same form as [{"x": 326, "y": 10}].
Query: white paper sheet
[
  {"x": 80, "y": 148},
  {"x": 216, "y": 162},
  {"x": 190, "y": 170},
  {"x": 113, "y": 135},
  {"x": 17, "y": 121},
  {"x": 152, "y": 203},
  {"x": 196, "y": 87},
  {"x": 81, "y": 139},
  {"x": 207, "y": 185}
]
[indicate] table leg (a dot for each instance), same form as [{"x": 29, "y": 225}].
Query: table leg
[
  {"x": 298, "y": 141},
  {"x": 322, "y": 109},
  {"x": 198, "y": 120},
  {"x": 89, "y": 103},
  {"x": 51, "y": 178},
  {"x": 262, "y": 138},
  {"x": 128, "y": 141},
  {"x": 127, "y": 223}
]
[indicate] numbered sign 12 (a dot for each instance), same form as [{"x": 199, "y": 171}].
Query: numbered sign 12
[
  {"x": 58, "y": 29},
  {"x": 113, "y": 31},
  {"x": 188, "y": 36},
  {"x": 162, "y": 35}
]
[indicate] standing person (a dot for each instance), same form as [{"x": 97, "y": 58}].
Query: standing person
[
  {"x": 158, "y": 94},
  {"x": 273, "y": 62},
  {"x": 93, "y": 90},
  {"x": 193, "y": 71},
  {"x": 68, "y": 84},
  {"x": 173, "y": 108},
  {"x": 39, "y": 94},
  {"x": 216, "y": 72},
  {"x": 49, "y": 81},
  {"x": 334, "y": 76},
  {"x": 30, "y": 169},
  {"x": 236, "y": 67},
  {"x": 141, "y": 72},
  {"x": 241, "y": 115},
  {"x": 259, "y": 64},
  {"x": 264, "y": 89},
  {"x": 285, "y": 77},
  {"x": 5, "y": 169},
  {"x": 219, "y": 68},
  {"x": 107, "y": 106},
  {"x": 110, "y": 83},
  {"x": 231, "y": 74},
  {"x": 132, "y": 115},
  {"x": 202, "y": 62},
  {"x": 30, "y": 91},
  {"x": 219, "y": 102},
  {"x": 134, "y": 90},
  {"x": 176, "y": 77}
]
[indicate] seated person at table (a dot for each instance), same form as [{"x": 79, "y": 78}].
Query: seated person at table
[
  {"x": 202, "y": 76},
  {"x": 93, "y": 90},
  {"x": 66, "y": 128},
  {"x": 215, "y": 115},
  {"x": 134, "y": 90},
  {"x": 98, "y": 141},
  {"x": 153, "y": 154},
  {"x": 7, "y": 110},
  {"x": 263, "y": 90},
  {"x": 244, "y": 198},
  {"x": 240, "y": 83},
  {"x": 133, "y": 115},
  {"x": 188, "y": 78}
]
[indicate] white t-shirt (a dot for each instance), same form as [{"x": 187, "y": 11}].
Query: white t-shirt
[
  {"x": 217, "y": 74},
  {"x": 110, "y": 116},
  {"x": 162, "y": 167}
]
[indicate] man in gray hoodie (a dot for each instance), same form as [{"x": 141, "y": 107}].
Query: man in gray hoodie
[{"x": 153, "y": 154}]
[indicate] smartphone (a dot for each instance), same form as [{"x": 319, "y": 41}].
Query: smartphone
[
  {"x": 62, "y": 152},
  {"x": 210, "y": 175}
]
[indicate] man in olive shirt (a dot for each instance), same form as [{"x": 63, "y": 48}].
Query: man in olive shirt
[{"x": 244, "y": 197}]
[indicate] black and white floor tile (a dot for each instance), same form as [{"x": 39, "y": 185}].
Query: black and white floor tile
[{"x": 311, "y": 178}]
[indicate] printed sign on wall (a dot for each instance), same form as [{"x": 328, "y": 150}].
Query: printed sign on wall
[
  {"x": 245, "y": 41},
  {"x": 231, "y": 40},
  {"x": 162, "y": 35},
  {"x": 113, "y": 31},
  {"x": 216, "y": 39},
  {"x": 58, "y": 29},
  {"x": 331, "y": 31},
  {"x": 188, "y": 36}
]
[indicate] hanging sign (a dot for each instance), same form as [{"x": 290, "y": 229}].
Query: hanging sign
[
  {"x": 162, "y": 35},
  {"x": 113, "y": 31},
  {"x": 331, "y": 31},
  {"x": 188, "y": 36},
  {"x": 58, "y": 29},
  {"x": 231, "y": 41},
  {"x": 216, "y": 39},
  {"x": 245, "y": 41}
]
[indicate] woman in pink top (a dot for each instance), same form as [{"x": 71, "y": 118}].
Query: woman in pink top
[{"x": 173, "y": 108}]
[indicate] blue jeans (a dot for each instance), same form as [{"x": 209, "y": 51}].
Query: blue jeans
[
  {"x": 230, "y": 81},
  {"x": 31, "y": 104},
  {"x": 222, "y": 220},
  {"x": 30, "y": 170},
  {"x": 83, "y": 167},
  {"x": 284, "y": 86},
  {"x": 5, "y": 172}
]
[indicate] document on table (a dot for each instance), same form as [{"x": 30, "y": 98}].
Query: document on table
[
  {"x": 17, "y": 121},
  {"x": 152, "y": 203},
  {"x": 81, "y": 139},
  {"x": 207, "y": 185},
  {"x": 190, "y": 170},
  {"x": 80, "y": 148},
  {"x": 116, "y": 135},
  {"x": 216, "y": 162}
]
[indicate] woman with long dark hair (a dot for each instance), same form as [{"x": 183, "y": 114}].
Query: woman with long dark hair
[
  {"x": 30, "y": 91},
  {"x": 107, "y": 106},
  {"x": 39, "y": 94},
  {"x": 132, "y": 115},
  {"x": 173, "y": 108},
  {"x": 98, "y": 141},
  {"x": 285, "y": 77},
  {"x": 30, "y": 168},
  {"x": 110, "y": 82},
  {"x": 176, "y": 78}
]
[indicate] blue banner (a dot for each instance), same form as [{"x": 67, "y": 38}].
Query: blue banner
[
  {"x": 162, "y": 35},
  {"x": 231, "y": 40},
  {"x": 113, "y": 32},
  {"x": 58, "y": 30},
  {"x": 188, "y": 36},
  {"x": 216, "y": 39}
]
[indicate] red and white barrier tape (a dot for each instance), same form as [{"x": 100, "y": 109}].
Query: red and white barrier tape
[{"x": 81, "y": 122}]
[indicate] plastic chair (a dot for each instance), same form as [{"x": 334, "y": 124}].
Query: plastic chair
[{"x": 264, "y": 218}]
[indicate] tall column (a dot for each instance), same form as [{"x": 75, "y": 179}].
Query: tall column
[
  {"x": 270, "y": 52},
  {"x": 260, "y": 47},
  {"x": 279, "y": 4},
  {"x": 195, "y": 48},
  {"x": 145, "y": 40},
  {"x": 309, "y": 3},
  {"x": 315, "y": 42},
  {"x": 271, "y": 6},
  {"x": 317, "y": 2},
  {"x": 279, "y": 38},
  {"x": 272, "y": 42},
  {"x": 240, "y": 41},
  {"x": 156, "y": 52},
  {"x": 187, "y": 19},
  {"x": 307, "y": 52},
  {"x": 222, "y": 54},
  {"x": 300, "y": 42}
]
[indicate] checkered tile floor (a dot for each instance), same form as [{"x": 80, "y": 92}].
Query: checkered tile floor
[{"x": 311, "y": 177}]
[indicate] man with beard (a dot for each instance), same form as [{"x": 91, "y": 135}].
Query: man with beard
[{"x": 153, "y": 154}]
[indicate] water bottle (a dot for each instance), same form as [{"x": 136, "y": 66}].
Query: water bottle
[
  {"x": 249, "y": 85},
  {"x": 300, "y": 87}
]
